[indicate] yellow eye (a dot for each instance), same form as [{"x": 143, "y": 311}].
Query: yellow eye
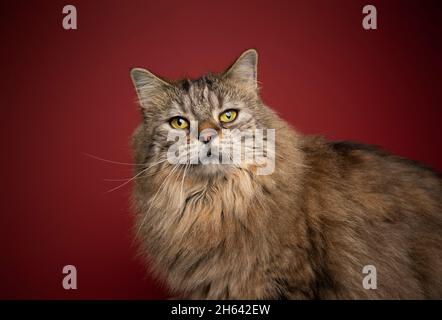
[
  {"x": 179, "y": 123},
  {"x": 228, "y": 116}
]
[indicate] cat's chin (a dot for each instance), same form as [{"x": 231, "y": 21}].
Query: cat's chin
[{"x": 209, "y": 170}]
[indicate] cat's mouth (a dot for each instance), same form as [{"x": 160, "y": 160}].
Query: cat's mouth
[
  {"x": 208, "y": 156},
  {"x": 211, "y": 165},
  {"x": 207, "y": 160}
]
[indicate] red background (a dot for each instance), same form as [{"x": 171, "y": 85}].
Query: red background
[{"x": 66, "y": 93}]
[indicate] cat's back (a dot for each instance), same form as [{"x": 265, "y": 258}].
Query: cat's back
[
  {"x": 375, "y": 168},
  {"x": 369, "y": 169},
  {"x": 369, "y": 207}
]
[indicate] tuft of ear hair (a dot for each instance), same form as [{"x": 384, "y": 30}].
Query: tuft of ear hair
[
  {"x": 147, "y": 85},
  {"x": 244, "y": 70}
]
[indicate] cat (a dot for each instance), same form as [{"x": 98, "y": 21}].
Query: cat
[{"x": 305, "y": 231}]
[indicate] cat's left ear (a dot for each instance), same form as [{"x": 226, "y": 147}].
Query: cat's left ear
[{"x": 244, "y": 70}]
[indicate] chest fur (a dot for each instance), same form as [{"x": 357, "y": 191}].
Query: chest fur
[{"x": 206, "y": 237}]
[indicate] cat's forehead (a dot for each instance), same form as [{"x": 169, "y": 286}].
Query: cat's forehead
[{"x": 200, "y": 97}]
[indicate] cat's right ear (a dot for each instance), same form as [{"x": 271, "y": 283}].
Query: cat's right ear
[{"x": 147, "y": 86}]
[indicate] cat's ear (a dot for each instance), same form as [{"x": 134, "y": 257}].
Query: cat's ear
[
  {"x": 147, "y": 85},
  {"x": 244, "y": 70}
]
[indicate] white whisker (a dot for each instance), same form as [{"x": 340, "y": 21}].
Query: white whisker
[
  {"x": 136, "y": 176},
  {"x": 111, "y": 161},
  {"x": 129, "y": 180}
]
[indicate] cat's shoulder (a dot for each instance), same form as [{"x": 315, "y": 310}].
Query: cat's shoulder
[
  {"x": 353, "y": 151},
  {"x": 348, "y": 146},
  {"x": 344, "y": 147}
]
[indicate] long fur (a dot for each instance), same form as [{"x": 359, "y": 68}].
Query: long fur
[{"x": 304, "y": 232}]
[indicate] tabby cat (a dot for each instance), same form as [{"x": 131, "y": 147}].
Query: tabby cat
[{"x": 304, "y": 231}]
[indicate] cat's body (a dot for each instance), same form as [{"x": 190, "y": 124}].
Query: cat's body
[{"x": 305, "y": 231}]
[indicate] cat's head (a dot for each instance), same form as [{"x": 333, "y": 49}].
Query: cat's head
[{"x": 200, "y": 123}]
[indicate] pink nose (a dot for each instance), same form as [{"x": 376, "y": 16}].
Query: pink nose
[{"x": 207, "y": 136}]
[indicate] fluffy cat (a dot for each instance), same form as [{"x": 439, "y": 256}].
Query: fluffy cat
[{"x": 306, "y": 231}]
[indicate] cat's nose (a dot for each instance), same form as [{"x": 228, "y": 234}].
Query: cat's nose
[{"x": 206, "y": 137}]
